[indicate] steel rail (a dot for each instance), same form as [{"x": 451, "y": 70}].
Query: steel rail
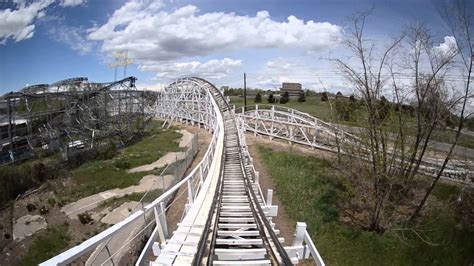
[{"x": 270, "y": 240}]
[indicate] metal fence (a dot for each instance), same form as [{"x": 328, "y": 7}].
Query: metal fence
[{"x": 131, "y": 242}]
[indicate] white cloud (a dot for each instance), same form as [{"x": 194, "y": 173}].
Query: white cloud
[
  {"x": 17, "y": 24},
  {"x": 67, "y": 3},
  {"x": 73, "y": 37},
  {"x": 214, "y": 69},
  {"x": 447, "y": 48},
  {"x": 149, "y": 33}
]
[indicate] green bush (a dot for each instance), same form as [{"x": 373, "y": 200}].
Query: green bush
[
  {"x": 324, "y": 97},
  {"x": 302, "y": 97},
  {"x": 271, "y": 98},
  {"x": 122, "y": 164},
  {"x": 285, "y": 98},
  {"x": 52, "y": 201}
]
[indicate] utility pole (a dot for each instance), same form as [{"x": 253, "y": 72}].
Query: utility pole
[{"x": 245, "y": 92}]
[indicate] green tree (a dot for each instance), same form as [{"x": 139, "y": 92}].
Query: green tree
[
  {"x": 271, "y": 98},
  {"x": 302, "y": 97},
  {"x": 285, "y": 98},
  {"x": 324, "y": 97},
  {"x": 342, "y": 109}
]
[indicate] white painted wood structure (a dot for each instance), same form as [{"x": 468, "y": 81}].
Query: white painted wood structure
[
  {"x": 226, "y": 219},
  {"x": 301, "y": 128}
]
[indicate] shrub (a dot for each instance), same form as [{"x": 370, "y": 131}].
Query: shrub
[
  {"x": 302, "y": 97},
  {"x": 342, "y": 109},
  {"x": 324, "y": 97},
  {"x": 271, "y": 98},
  {"x": 43, "y": 210},
  {"x": 30, "y": 207},
  {"x": 85, "y": 218},
  {"x": 285, "y": 98},
  {"x": 258, "y": 98},
  {"x": 122, "y": 164},
  {"x": 383, "y": 108},
  {"x": 51, "y": 201},
  {"x": 352, "y": 99}
]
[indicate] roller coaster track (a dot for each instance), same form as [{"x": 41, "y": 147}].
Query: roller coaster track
[
  {"x": 241, "y": 232},
  {"x": 301, "y": 128},
  {"x": 226, "y": 220},
  {"x": 46, "y": 117}
]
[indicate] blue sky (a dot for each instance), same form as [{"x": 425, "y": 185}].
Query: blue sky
[{"x": 49, "y": 40}]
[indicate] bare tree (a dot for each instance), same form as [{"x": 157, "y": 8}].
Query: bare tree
[
  {"x": 460, "y": 22},
  {"x": 369, "y": 82},
  {"x": 429, "y": 92},
  {"x": 393, "y": 153}
]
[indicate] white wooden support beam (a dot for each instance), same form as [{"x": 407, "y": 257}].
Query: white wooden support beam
[
  {"x": 156, "y": 249},
  {"x": 190, "y": 192},
  {"x": 269, "y": 197},
  {"x": 161, "y": 234},
  {"x": 300, "y": 232},
  {"x": 201, "y": 180},
  {"x": 164, "y": 224}
]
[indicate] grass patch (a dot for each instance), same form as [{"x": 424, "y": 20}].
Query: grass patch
[
  {"x": 310, "y": 188},
  {"x": 46, "y": 245},
  {"x": 445, "y": 192},
  {"x": 156, "y": 143},
  {"x": 94, "y": 177}
]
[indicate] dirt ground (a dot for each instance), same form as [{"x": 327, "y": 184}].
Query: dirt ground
[{"x": 11, "y": 253}]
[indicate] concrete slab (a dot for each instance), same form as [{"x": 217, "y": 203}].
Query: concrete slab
[
  {"x": 120, "y": 213},
  {"x": 88, "y": 203},
  {"x": 169, "y": 158},
  {"x": 186, "y": 139},
  {"x": 27, "y": 225}
]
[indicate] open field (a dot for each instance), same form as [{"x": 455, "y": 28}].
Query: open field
[{"x": 310, "y": 189}]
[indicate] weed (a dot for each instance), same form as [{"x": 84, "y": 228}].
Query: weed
[
  {"x": 30, "y": 207},
  {"x": 85, "y": 218},
  {"x": 51, "y": 201},
  {"x": 44, "y": 210}
]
